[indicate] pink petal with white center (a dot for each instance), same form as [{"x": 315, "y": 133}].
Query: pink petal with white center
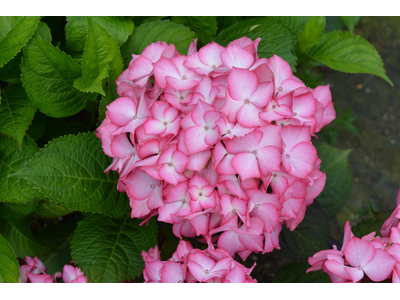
[
  {"x": 235, "y": 56},
  {"x": 181, "y": 83},
  {"x": 358, "y": 252},
  {"x": 192, "y": 47},
  {"x": 163, "y": 68},
  {"x": 121, "y": 111},
  {"x": 153, "y": 270},
  {"x": 199, "y": 221},
  {"x": 248, "y": 143},
  {"x": 197, "y": 161},
  {"x": 335, "y": 265},
  {"x": 323, "y": 95},
  {"x": 235, "y": 275},
  {"x": 252, "y": 242},
  {"x": 280, "y": 69},
  {"x": 293, "y": 135},
  {"x": 246, "y": 165},
  {"x": 269, "y": 159},
  {"x": 177, "y": 98},
  {"x": 225, "y": 166},
  {"x": 170, "y": 175},
  {"x": 242, "y": 84},
  {"x": 154, "y": 51},
  {"x": 229, "y": 240},
  {"x": 304, "y": 105},
  {"x": 262, "y": 96},
  {"x": 198, "y": 114},
  {"x": 121, "y": 146},
  {"x": 210, "y": 55},
  {"x": 195, "y": 140},
  {"x": 247, "y": 116},
  {"x": 140, "y": 70},
  {"x": 193, "y": 62},
  {"x": 231, "y": 107},
  {"x": 140, "y": 185},
  {"x": 289, "y": 86},
  {"x": 381, "y": 266},
  {"x": 301, "y": 159},
  {"x": 165, "y": 212},
  {"x": 179, "y": 160},
  {"x": 200, "y": 265},
  {"x": 272, "y": 239},
  {"x": 173, "y": 272},
  {"x": 35, "y": 278}
]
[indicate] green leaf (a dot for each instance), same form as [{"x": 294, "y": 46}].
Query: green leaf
[
  {"x": 312, "y": 31},
  {"x": 49, "y": 209},
  {"x": 151, "y": 32},
  {"x": 338, "y": 178},
  {"x": 16, "y": 112},
  {"x": 21, "y": 239},
  {"x": 343, "y": 51},
  {"x": 295, "y": 272},
  {"x": 9, "y": 267},
  {"x": 309, "y": 237},
  {"x": 270, "y": 31},
  {"x": 204, "y": 26},
  {"x": 57, "y": 236},
  {"x": 47, "y": 75},
  {"x": 109, "y": 250},
  {"x": 76, "y": 30},
  {"x": 294, "y": 23},
  {"x": 14, "y": 159},
  {"x": 365, "y": 227},
  {"x": 70, "y": 171},
  {"x": 44, "y": 32},
  {"x": 350, "y": 22},
  {"x": 16, "y": 211},
  {"x": 101, "y": 59},
  {"x": 14, "y": 34},
  {"x": 11, "y": 72}
]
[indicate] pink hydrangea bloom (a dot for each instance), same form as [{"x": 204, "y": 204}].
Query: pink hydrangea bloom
[{"x": 217, "y": 143}]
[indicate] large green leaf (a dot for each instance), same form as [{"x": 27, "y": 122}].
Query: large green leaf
[
  {"x": 16, "y": 112},
  {"x": 295, "y": 23},
  {"x": 343, "y": 51},
  {"x": 76, "y": 30},
  {"x": 338, "y": 178},
  {"x": 275, "y": 37},
  {"x": 151, "y": 32},
  {"x": 312, "y": 31},
  {"x": 295, "y": 272},
  {"x": 14, "y": 159},
  {"x": 21, "y": 239},
  {"x": 204, "y": 26},
  {"x": 365, "y": 227},
  {"x": 47, "y": 75},
  {"x": 9, "y": 267},
  {"x": 309, "y": 237},
  {"x": 109, "y": 250},
  {"x": 16, "y": 211},
  {"x": 14, "y": 34},
  {"x": 101, "y": 59},
  {"x": 70, "y": 171}
]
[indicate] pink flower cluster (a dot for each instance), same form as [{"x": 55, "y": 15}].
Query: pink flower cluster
[
  {"x": 217, "y": 141},
  {"x": 35, "y": 272},
  {"x": 371, "y": 257},
  {"x": 193, "y": 265}
]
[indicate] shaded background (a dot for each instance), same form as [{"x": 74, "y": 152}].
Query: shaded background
[{"x": 375, "y": 156}]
